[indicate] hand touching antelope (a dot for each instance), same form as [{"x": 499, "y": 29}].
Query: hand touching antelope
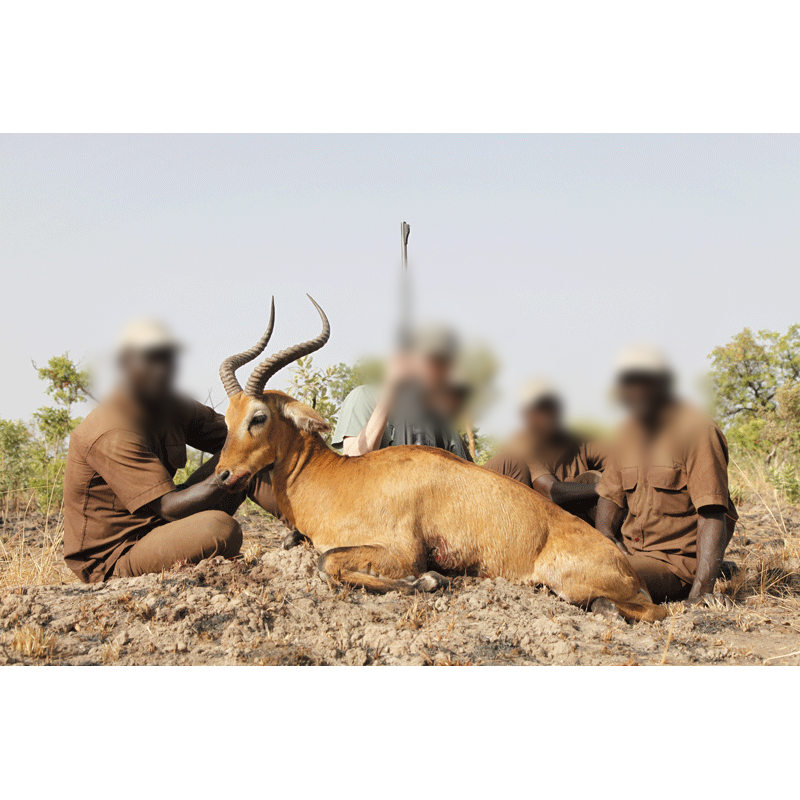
[{"x": 381, "y": 519}]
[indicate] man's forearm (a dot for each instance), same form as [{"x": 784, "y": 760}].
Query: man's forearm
[
  {"x": 711, "y": 542},
  {"x": 609, "y": 521},
  {"x": 202, "y": 472},
  {"x": 188, "y": 500},
  {"x": 370, "y": 437},
  {"x": 564, "y": 492}
]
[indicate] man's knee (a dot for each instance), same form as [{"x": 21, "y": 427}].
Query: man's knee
[
  {"x": 221, "y": 532},
  {"x": 511, "y": 466},
  {"x": 591, "y": 477}
]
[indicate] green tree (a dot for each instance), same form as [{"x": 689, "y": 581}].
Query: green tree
[
  {"x": 755, "y": 379},
  {"x": 67, "y": 384},
  {"x": 326, "y": 389},
  {"x": 747, "y": 372},
  {"x": 16, "y": 462}
]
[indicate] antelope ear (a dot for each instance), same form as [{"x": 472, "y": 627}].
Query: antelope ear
[{"x": 305, "y": 417}]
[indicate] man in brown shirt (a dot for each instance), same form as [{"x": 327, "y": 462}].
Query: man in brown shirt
[
  {"x": 668, "y": 467},
  {"x": 123, "y": 514},
  {"x": 555, "y": 462}
]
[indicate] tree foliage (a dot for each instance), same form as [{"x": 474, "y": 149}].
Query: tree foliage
[
  {"x": 756, "y": 383},
  {"x": 32, "y": 458},
  {"x": 749, "y": 371},
  {"x": 326, "y": 389}
]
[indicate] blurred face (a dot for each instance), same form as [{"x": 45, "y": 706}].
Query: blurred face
[
  {"x": 433, "y": 372},
  {"x": 643, "y": 395},
  {"x": 150, "y": 374},
  {"x": 452, "y": 401},
  {"x": 544, "y": 419}
]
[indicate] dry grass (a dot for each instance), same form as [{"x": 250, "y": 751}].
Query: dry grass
[
  {"x": 252, "y": 554},
  {"x": 31, "y": 539},
  {"x": 111, "y": 653},
  {"x": 32, "y": 641},
  {"x": 24, "y": 562}
]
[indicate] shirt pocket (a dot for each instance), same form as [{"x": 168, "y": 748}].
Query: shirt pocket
[
  {"x": 630, "y": 480},
  {"x": 670, "y": 496}
]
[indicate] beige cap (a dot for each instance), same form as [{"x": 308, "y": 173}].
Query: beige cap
[
  {"x": 537, "y": 390},
  {"x": 642, "y": 359},
  {"x": 146, "y": 334},
  {"x": 436, "y": 341}
]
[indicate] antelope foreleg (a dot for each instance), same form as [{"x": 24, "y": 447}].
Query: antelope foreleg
[{"x": 375, "y": 568}]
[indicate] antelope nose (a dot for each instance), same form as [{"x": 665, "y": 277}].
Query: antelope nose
[{"x": 223, "y": 476}]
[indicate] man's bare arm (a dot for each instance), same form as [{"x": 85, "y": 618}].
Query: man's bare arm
[
  {"x": 609, "y": 521},
  {"x": 564, "y": 492},
  {"x": 201, "y": 473},
  {"x": 370, "y": 436},
  {"x": 711, "y": 542},
  {"x": 189, "y": 499}
]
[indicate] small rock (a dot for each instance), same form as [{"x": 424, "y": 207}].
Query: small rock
[
  {"x": 122, "y": 638},
  {"x": 181, "y": 646}
]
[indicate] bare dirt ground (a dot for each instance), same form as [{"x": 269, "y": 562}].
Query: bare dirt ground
[{"x": 270, "y": 607}]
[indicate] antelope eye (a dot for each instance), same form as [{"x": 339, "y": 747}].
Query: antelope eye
[{"x": 259, "y": 419}]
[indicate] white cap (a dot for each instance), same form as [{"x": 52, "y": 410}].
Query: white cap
[
  {"x": 144, "y": 335},
  {"x": 642, "y": 359},
  {"x": 536, "y": 390},
  {"x": 436, "y": 341}
]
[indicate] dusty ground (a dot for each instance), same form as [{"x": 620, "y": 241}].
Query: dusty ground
[{"x": 270, "y": 607}]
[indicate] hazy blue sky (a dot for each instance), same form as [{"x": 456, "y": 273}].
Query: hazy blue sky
[{"x": 557, "y": 249}]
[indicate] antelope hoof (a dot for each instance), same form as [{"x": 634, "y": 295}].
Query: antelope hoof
[
  {"x": 293, "y": 539},
  {"x": 430, "y": 582},
  {"x": 605, "y": 608}
]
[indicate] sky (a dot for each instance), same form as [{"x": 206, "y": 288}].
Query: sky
[{"x": 556, "y": 250}]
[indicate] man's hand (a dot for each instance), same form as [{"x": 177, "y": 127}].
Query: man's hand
[
  {"x": 609, "y": 522},
  {"x": 399, "y": 371},
  {"x": 712, "y": 540},
  {"x": 189, "y": 499},
  {"x": 716, "y": 600}
]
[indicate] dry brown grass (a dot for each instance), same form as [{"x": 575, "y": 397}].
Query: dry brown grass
[
  {"x": 25, "y": 563},
  {"x": 111, "y": 653},
  {"x": 32, "y": 641}
]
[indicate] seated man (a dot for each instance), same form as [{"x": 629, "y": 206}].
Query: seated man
[
  {"x": 668, "y": 467},
  {"x": 558, "y": 464},
  {"x": 370, "y": 416},
  {"x": 123, "y": 515}
]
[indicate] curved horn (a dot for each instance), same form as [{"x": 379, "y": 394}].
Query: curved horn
[
  {"x": 267, "y": 368},
  {"x": 227, "y": 369}
]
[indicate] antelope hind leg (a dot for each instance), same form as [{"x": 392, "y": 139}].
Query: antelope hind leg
[
  {"x": 376, "y": 569},
  {"x": 596, "y": 575}
]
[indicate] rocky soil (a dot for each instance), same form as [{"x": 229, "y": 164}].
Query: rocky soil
[{"x": 270, "y": 607}]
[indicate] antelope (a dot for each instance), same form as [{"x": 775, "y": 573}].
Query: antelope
[{"x": 380, "y": 520}]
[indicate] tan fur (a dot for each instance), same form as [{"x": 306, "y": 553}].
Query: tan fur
[{"x": 397, "y": 509}]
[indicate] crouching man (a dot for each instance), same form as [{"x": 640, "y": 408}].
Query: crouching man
[
  {"x": 546, "y": 456},
  {"x": 669, "y": 468},
  {"x": 123, "y": 515}
]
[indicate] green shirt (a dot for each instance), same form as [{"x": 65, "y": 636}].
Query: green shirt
[{"x": 357, "y": 409}]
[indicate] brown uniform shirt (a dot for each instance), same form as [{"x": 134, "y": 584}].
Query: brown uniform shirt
[
  {"x": 565, "y": 458},
  {"x": 664, "y": 480},
  {"x": 116, "y": 465}
]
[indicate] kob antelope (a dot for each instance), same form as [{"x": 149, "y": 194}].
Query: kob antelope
[{"x": 381, "y": 519}]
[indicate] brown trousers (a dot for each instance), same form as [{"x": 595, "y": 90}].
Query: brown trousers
[
  {"x": 663, "y": 584},
  {"x": 202, "y": 535},
  {"x": 512, "y": 467}
]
